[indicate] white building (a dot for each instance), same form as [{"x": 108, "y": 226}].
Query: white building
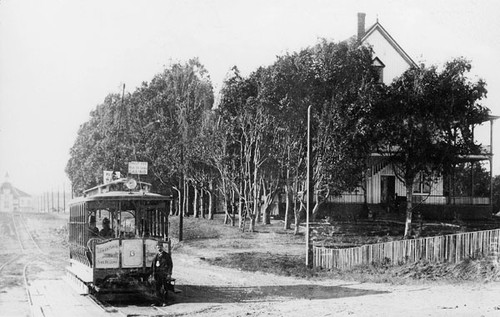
[
  {"x": 382, "y": 186},
  {"x": 13, "y": 199}
]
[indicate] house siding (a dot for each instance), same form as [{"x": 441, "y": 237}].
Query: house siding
[
  {"x": 374, "y": 188},
  {"x": 394, "y": 63}
]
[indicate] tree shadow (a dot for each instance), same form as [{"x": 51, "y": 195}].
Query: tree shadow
[{"x": 221, "y": 294}]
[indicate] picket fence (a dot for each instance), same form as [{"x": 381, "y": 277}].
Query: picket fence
[{"x": 451, "y": 248}]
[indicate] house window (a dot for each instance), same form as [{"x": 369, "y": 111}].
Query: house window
[
  {"x": 378, "y": 66},
  {"x": 421, "y": 185},
  {"x": 380, "y": 74}
]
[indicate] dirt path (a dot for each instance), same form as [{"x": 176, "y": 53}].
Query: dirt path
[
  {"x": 216, "y": 291},
  {"x": 209, "y": 290}
]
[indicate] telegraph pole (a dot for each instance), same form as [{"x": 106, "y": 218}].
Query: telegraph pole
[
  {"x": 64, "y": 197},
  {"x": 309, "y": 189}
]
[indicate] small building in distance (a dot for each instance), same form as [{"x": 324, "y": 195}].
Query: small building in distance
[{"x": 13, "y": 199}]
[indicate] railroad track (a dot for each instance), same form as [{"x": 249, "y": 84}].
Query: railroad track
[
  {"x": 127, "y": 309},
  {"x": 9, "y": 261},
  {"x": 24, "y": 236},
  {"x": 27, "y": 254},
  {"x": 15, "y": 270}
]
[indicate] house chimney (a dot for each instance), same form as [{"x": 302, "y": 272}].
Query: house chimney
[{"x": 361, "y": 25}]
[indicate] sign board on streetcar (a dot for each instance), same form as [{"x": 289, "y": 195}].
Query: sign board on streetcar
[
  {"x": 108, "y": 176},
  {"x": 138, "y": 168}
]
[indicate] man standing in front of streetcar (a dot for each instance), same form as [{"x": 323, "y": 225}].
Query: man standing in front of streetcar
[{"x": 162, "y": 272}]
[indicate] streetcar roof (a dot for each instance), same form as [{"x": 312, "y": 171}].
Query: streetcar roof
[
  {"x": 122, "y": 181},
  {"x": 123, "y": 196}
]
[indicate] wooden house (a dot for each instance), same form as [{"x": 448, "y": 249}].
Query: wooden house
[{"x": 383, "y": 191}]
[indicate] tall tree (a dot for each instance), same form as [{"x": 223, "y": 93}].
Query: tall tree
[
  {"x": 156, "y": 123},
  {"x": 425, "y": 123}
]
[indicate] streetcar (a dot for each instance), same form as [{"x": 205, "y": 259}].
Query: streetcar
[{"x": 113, "y": 232}]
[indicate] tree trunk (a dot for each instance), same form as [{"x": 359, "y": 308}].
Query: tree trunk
[
  {"x": 171, "y": 208},
  {"x": 266, "y": 205},
  {"x": 240, "y": 213},
  {"x": 227, "y": 216},
  {"x": 316, "y": 209},
  {"x": 186, "y": 199},
  {"x": 233, "y": 210},
  {"x": 296, "y": 209},
  {"x": 267, "y": 214},
  {"x": 195, "y": 202},
  {"x": 210, "y": 202},
  {"x": 256, "y": 200},
  {"x": 233, "y": 214},
  {"x": 202, "y": 203},
  {"x": 288, "y": 202},
  {"x": 251, "y": 226},
  {"x": 409, "y": 208},
  {"x": 179, "y": 201}
]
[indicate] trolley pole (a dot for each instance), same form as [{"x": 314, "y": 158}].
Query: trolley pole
[{"x": 309, "y": 190}]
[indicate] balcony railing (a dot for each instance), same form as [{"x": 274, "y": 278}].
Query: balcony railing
[
  {"x": 417, "y": 199},
  {"x": 347, "y": 199}
]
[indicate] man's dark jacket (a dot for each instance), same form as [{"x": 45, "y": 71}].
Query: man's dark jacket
[{"x": 162, "y": 264}]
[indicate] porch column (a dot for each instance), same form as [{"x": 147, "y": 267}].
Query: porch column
[
  {"x": 491, "y": 162},
  {"x": 472, "y": 182}
]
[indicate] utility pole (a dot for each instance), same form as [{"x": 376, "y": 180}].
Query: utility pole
[
  {"x": 309, "y": 190},
  {"x": 183, "y": 192},
  {"x": 64, "y": 197}
]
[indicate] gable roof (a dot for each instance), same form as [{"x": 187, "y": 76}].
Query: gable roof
[
  {"x": 17, "y": 193},
  {"x": 390, "y": 40}
]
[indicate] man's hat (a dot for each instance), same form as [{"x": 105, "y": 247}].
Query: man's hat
[
  {"x": 105, "y": 220},
  {"x": 159, "y": 243}
]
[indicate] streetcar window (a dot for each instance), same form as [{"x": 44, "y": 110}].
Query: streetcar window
[{"x": 127, "y": 224}]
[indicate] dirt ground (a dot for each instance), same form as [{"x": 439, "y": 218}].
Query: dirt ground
[{"x": 208, "y": 290}]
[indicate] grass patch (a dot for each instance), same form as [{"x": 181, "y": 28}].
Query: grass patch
[
  {"x": 279, "y": 264},
  {"x": 271, "y": 249},
  {"x": 471, "y": 270}
]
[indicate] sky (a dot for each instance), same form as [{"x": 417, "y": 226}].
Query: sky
[{"x": 60, "y": 58}]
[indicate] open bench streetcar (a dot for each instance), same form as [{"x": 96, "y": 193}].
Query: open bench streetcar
[{"x": 116, "y": 260}]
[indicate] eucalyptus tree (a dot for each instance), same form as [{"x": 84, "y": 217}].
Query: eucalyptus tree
[
  {"x": 165, "y": 115},
  {"x": 202, "y": 171},
  {"x": 426, "y": 122},
  {"x": 226, "y": 153},
  {"x": 287, "y": 94},
  {"x": 268, "y": 118},
  {"x": 345, "y": 92},
  {"x": 338, "y": 81},
  {"x": 156, "y": 123},
  {"x": 98, "y": 146}
]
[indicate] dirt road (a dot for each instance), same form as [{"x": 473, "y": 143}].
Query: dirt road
[
  {"x": 216, "y": 291},
  {"x": 209, "y": 290}
]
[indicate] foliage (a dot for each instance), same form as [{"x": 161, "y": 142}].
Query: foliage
[
  {"x": 155, "y": 123},
  {"x": 265, "y": 116},
  {"x": 496, "y": 194},
  {"x": 425, "y": 122},
  {"x": 251, "y": 147},
  {"x": 468, "y": 179}
]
